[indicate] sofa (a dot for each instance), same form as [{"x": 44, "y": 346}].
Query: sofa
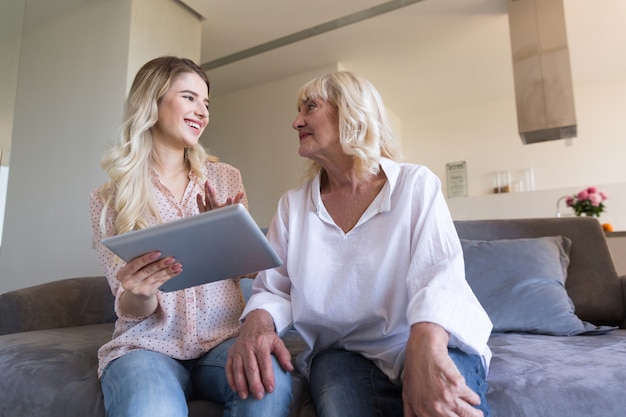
[{"x": 549, "y": 286}]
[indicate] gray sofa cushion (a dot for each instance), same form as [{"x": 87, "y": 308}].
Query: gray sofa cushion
[
  {"x": 557, "y": 376},
  {"x": 520, "y": 283},
  {"x": 52, "y": 373},
  {"x": 591, "y": 274},
  {"x": 66, "y": 303}
]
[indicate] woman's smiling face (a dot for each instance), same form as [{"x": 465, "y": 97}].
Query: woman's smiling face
[{"x": 183, "y": 112}]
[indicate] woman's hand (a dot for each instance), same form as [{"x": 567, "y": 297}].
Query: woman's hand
[
  {"x": 141, "y": 279},
  {"x": 209, "y": 202},
  {"x": 249, "y": 363},
  {"x": 432, "y": 384}
]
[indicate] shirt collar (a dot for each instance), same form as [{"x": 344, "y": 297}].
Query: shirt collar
[
  {"x": 392, "y": 171},
  {"x": 381, "y": 204}
]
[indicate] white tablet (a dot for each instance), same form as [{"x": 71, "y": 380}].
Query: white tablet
[{"x": 210, "y": 246}]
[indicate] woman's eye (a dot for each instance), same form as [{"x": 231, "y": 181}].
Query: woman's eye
[{"x": 190, "y": 98}]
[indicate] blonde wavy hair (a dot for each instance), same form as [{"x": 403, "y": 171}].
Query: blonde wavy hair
[
  {"x": 127, "y": 162},
  {"x": 364, "y": 128}
]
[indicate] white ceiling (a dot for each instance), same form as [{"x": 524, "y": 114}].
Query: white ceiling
[
  {"x": 427, "y": 56},
  {"x": 410, "y": 54}
]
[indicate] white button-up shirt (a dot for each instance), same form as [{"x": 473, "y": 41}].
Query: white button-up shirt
[{"x": 361, "y": 291}]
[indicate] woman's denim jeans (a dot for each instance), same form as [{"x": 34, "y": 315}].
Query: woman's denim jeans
[
  {"x": 150, "y": 384},
  {"x": 347, "y": 384}
]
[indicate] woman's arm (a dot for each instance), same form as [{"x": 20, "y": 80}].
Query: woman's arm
[
  {"x": 134, "y": 284},
  {"x": 432, "y": 384}
]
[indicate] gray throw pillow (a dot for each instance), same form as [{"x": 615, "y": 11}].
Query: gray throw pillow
[{"x": 521, "y": 285}]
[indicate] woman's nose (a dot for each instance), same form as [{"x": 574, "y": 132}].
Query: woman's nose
[
  {"x": 298, "y": 122},
  {"x": 202, "y": 111}
]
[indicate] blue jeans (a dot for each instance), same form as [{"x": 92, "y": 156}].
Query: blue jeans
[
  {"x": 144, "y": 383},
  {"x": 347, "y": 384}
]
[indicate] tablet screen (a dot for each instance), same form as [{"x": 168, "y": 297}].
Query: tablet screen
[{"x": 210, "y": 246}]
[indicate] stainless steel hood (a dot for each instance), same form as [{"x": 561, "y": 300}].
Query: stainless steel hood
[{"x": 544, "y": 93}]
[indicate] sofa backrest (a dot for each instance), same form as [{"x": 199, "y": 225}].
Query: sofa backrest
[
  {"x": 64, "y": 303},
  {"x": 592, "y": 281}
]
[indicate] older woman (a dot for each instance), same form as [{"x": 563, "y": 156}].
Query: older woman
[{"x": 372, "y": 276}]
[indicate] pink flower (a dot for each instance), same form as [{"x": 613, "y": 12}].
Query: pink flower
[
  {"x": 595, "y": 199},
  {"x": 583, "y": 195},
  {"x": 587, "y": 202}
]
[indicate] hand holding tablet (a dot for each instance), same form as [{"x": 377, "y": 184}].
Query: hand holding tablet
[{"x": 211, "y": 246}]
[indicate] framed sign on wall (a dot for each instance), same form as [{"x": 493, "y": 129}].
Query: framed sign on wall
[{"x": 456, "y": 179}]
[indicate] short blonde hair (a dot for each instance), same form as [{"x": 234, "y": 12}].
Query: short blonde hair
[{"x": 364, "y": 128}]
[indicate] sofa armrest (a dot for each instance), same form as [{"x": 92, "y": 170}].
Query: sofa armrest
[{"x": 64, "y": 303}]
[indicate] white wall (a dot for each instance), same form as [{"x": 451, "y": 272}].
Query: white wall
[
  {"x": 162, "y": 27},
  {"x": 70, "y": 97},
  {"x": 251, "y": 130},
  {"x": 485, "y": 137},
  {"x": 69, "y": 102},
  {"x": 9, "y": 64},
  {"x": 483, "y": 134},
  {"x": 4, "y": 182}
]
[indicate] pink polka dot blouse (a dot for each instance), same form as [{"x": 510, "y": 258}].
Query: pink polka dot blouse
[{"x": 187, "y": 323}]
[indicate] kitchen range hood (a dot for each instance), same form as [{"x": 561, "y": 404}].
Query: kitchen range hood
[{"x": 544, "y": 94}]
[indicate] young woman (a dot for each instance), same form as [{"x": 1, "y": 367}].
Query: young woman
[{"x": 167, "y": 347}]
